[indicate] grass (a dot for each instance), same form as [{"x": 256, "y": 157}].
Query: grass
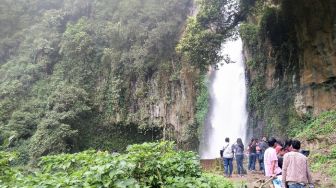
[
  {"x": 323, "y": 125},
  {"x": 321, "y": 134}
]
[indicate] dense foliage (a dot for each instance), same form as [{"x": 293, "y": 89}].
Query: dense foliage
[
  {"x": 73, "y": 72},
  {"x": 81, "y": 74},
  {"x": 214, "y": 23},
  {"x": 98, "y": 74},
  {"x": 146, "y": 165}
]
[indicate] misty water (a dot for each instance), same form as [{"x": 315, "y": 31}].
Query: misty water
[{"x": 227, "y": 115}]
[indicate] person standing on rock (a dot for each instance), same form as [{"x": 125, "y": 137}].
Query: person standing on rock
[
  {"x": 295, "y": 170},
  {"x": 228, "y": 158},
  {"x": 239, "y": 154}
]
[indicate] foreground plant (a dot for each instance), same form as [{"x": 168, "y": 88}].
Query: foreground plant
[{"x": 145, "y": 165}]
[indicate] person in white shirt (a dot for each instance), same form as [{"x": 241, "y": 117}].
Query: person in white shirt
[
  {"x": 271, "y": 159},
  {"x": 271, "y": 163},
  {"x": 228, "y": 158}
]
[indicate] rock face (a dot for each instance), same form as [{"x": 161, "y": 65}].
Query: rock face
[
  {"x": 294, "y": 67},
  {"x": 169, "y": 104},
  {"x": 316, "y": 36}
]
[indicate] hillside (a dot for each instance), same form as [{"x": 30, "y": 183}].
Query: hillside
[
  {"x": 319, "y": 137},
  {"x": 105, "y": 74},
  {"x": 101, "y": 74}
]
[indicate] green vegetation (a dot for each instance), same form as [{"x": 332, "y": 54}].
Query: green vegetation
[
  {"x": 7, "y": 174},
  {"x": 79, "y": 74},
  {"x": 256, "y": 95},
  {"x": 205, "y": 33},
  {"x": 84, "y": 74},
  {"x": 145, "y": 165},
  {"x": 201, "y": 43},
  {"x": 72, "y": 69},
  {"x": 249, "y": 33},
  {"x": 321, "y": 132},
  {"x": 272, "y": 65},
  {"x": 323, "y": 125},
  {"x": 202, "y": 104},
  {"x": 274, "y": 48}
]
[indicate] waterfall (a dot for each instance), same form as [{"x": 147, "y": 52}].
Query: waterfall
[{"x": 227, "y": 115}]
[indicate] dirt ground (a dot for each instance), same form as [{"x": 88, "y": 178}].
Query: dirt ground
[
  {"x": 256, "y": 179},
  {"x": 249, "y": 180}
]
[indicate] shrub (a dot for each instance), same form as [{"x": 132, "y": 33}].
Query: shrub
[
  {"x": 249, "y": 33},
  {"x": 6, "y": 173},
  {"x": 144, "y": 165}
]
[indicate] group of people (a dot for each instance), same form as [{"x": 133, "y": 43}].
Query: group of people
[
  {"x": 284, "y": 162},
  {"x": 256, "y": 150}
]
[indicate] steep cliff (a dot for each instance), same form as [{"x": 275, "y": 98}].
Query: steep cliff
[
  {"x": 94, "y": 74},
  {"x": 105, "y": 74},
  {"x": 290, "y": 50}
]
